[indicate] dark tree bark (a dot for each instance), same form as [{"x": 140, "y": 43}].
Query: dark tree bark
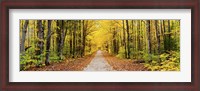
[
  {"x": 138, "y": 37},
  {"x": 48, "y": 43},
  {"x": 61, "y": 34},
  {"x": 65, "y": 32},
  {"x": 84, "y": 37},
  {"x": 128, "y": 39},
  {"x": 158, "y": 38},
  {"x": 124, "y": 39},
  {"x": 169, "y": 36},
  {"x": 148, "y": 36},
  {"x": 59, "y": 38},
  {"x": 133, "y": 40},
  {"x": 70, "y": 41},
  {"x": 164, "y": 36},
  {"x": 74, "y": 39},
  {"x": 79, "y": 49},
  {"x": 142, "y": 36},
  {"x": 114, "y": 42},
  {"x": 40, "y": 35},
  {"x": 24, "y": 30}
]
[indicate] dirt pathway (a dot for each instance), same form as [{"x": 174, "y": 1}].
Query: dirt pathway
[{"x": 98, "y": 63}]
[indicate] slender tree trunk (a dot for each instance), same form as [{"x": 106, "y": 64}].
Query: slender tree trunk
[
  {"x": 80, "y": 38},
  {"x": 53, "y": 43},
  {"x": 24, "y": 30},
  {"x": 158, "y": 38},
  {"x": 84, "y": 36},
  {"x": 70, "y": 41},
  {"x": 63, "y": 35},
  {"x": 164, "y": 37},
  {"x": 139, "y": 28},
  {"x": 128, "y": 39},
  {"x": 40, "y": 35},
  {"x": 148, "y": 37},
  {"x": 28, "y": 35},
  {"x": 136, "y": 38},
  {"x": 65, "y": 32},
  {"x": 114, "y": 42},
  {"x": 141, "y": 36},
  {"x": 169, "y": 36},
  {"x": 48, "y": 43},
  {"x": 124, "y": 40},
  {"x": 74, "y": 40},
  {"x": 58, "y": 38},
  {"x": 133, "y": 35}
]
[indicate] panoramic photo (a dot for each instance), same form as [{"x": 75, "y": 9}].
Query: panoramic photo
[{"x": 99, "y": 45}]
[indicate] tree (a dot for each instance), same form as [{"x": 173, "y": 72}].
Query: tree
[
  {"x": 158, "y": 38},
  {"x": 128, "y": 39},
  {"x": 40, "y": 38},
  {"x": 74, "y": 39},
  {"x": 24, "y": 30},
  {"x": 148, "y": 36},
  {"x": 84, "y": 37},
  {"x": 124, "y": 39},
  {"x": 169, "y": 36},
  {"x": 149, "y": 41},
  {"x": 58, "y": 38},
  {"x": 48, "y": 43}
]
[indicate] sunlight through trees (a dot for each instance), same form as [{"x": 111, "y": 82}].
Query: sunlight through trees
[{"x": 156, "y": 43}]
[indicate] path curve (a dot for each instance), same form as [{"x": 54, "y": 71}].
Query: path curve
[{"x": 98, "y": 63}]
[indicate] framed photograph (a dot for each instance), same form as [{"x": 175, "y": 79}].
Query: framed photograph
[{"x": 100, "y": 45}]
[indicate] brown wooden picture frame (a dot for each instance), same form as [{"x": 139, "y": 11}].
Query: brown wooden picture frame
[{"x": 99, "y": 4}]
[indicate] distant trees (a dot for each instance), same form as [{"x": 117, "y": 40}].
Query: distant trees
[
  {"x": 150, "y": 41},
  {"x": 150, "y": 36}
]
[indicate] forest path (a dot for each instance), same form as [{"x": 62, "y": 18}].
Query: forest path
[{"x": 98, "y": 63}]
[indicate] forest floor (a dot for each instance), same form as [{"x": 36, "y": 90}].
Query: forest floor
[
  {"x": 99, "y": 61},
  {"x": 77, "y": 64},
  {"x": 123, "y": 64}
]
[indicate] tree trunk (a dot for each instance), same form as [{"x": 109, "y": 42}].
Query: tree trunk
[
  {"x": 84, "y": 37},
  {"x": 40, "y": 35},
  {"x": 114, "y": 42},
  {"x": 48, "y": 43},
  {"x": 74, "y": 40},
  {"x": 133, "y": 36},
  {"x": 63, "y": 34},
  {"x": 58, "y": 38},
  {"x": 24, "y": 30},
  {"x": 70, "y": 41},
  {"x": 80, "y": 38},
  {"x": 124, "y": 39},
  {"x": 164, "y": 37},
  {"x": 128, "y": 39},
  {"x": 169, "y": 36},
  {"x": 158, "y": 38},
  {"x": 138, "y": 37},
  {"x": 148, "y": 37}
]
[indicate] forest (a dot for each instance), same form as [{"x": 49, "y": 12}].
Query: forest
[{"x": 99, "y": 45}]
